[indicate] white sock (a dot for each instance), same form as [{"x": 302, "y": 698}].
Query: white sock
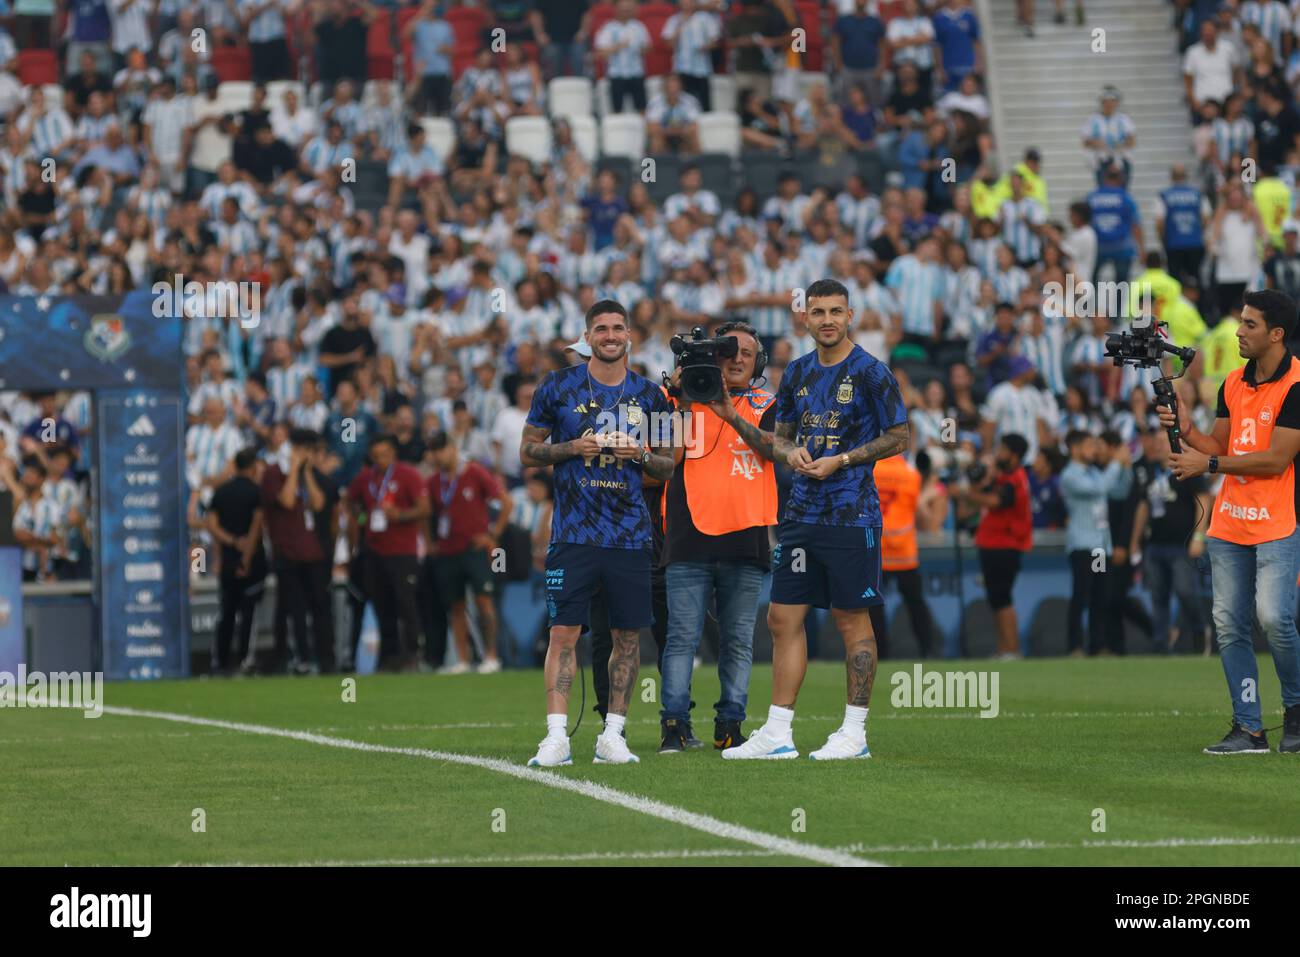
[
  {"x": 556, "y": 724},
  {"x": 614, "y": 723},
  {"x": 778, "y": 720},
  {"x": 855, "y": 720}
]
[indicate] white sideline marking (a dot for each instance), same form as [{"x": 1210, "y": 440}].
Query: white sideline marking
[
  {"x": 519, "y": 859},
  {"x": 598, "y": 792},
  {"x": 1028, "y": 844}
]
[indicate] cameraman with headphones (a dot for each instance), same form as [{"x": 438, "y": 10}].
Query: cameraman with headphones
[
  {"x": 1254, "y": 541},
  {"x": 719, "y": 503}
]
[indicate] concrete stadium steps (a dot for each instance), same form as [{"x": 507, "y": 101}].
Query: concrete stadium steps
[{"x": 1043, "y": 89}]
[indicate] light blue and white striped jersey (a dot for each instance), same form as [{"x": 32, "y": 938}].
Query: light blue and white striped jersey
[
  {"x": 13, "y": 178},
  {"x": 630, "y": 61},
  {"x": 227, "y": 392},
  {"x": 49, "y": 133},
  {"x": 859, "y": 215},
  {"x": 40, "y": 517},
  {"x": 1047, "y": 352},
  {"x": 312, "y": 417},
  {"x": 1018, "y": 409},
  {"x": 983, "y": 255},
  {"x": 578, "y": 268},
  {"x": 208, "y": 450},
  {"x": 217, "y": 15},
  {"x": 874, "y": 298},
  {"x": 917, "y": 286},
  {"x": 1018, "y": 217},
  {"x": 1009, "y": 284},
  {"x": 284, "y": 383},
  {"x": 909, "y": 28},
  {"x": 130, "y": 26},
  {"x": 237, "y": 238},
  {"x": 8, "y": 49},
  {"x": 413, "y": 165},
  {"x": 474, "y": 80},
  {"x": 1089, "y": 350},
  {"x": 1087, "y": 490},
  {"x": 484, "y": 405},
  {"x": 214, "y": 194},
  {"x": 526, "y": 513},
  {"x": 956, "y": 225},
  {"x": 774, "y": 320},
  {"x": 703, "y": 201},
  {"x": 349, "y": 115},
  {"x": 927, "y": 426},
  {"x": 685, "y": 110},
  {"x": 92, "y": 129},
  {"x": 267, "y": 25},
  {"x": 695, "y": 32},
  {"x": 319, "y": 155},
  {"x": 168, "y": 120},
  {"x": 1272, "y": 19},
  {"x": 1232, "y": 137},
  {"x": 961, "y": 297},
  {"x": 1112, "y": 130}
]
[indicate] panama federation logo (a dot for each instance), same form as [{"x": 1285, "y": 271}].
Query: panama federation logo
[
  {"x": 107, "y": 338},
  {"x": 844, "y": 395}
]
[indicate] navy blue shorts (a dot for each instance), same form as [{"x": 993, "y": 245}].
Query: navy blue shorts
[
  {"x": 574, "y": 572},
  {"x": 826, "y": 566}
]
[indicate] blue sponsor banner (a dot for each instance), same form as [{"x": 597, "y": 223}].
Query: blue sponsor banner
[
  {"x": 11, "y": 609},
  {"x": 143, "y": 565}
]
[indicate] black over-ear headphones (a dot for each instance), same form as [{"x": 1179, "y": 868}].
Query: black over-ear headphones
[{"x": 739, "y": 325}]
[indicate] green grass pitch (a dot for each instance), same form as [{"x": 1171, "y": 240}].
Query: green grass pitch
[{"x": 1075, "y": 739}]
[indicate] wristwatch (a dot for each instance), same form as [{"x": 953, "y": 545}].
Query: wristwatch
[
  {"x": 1214, "y": 464},
  {"x": 844, "y": 460},
  {"x": 645, "y": 458}
]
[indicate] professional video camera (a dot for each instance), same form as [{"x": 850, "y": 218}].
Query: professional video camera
[
  {"x": 697, "y": 357},
  {"x": 1145, "y": 347}
]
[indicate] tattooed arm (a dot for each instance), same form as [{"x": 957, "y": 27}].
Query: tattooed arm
[
  {"x": 783, "y": 440},
  {"x": 891, "y": 442},
  {"x": 534, "y": 450},
  {"x": 758, "y": 440}
]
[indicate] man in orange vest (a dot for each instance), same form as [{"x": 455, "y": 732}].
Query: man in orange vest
[
  {"x": 899, "y": 486},
  {"x": 719, "y": 503},
  {"x": 1254, "y": 543}
]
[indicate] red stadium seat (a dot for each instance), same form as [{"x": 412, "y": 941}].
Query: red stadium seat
[
  {"x": 38, "y": 67},
  {"x": 597, "y": 16},
  {"x": 467, "y": 21},
  {"x": 379, "y": 36},
  {"x": 232, "y": 63},
  {"x": 460, "y": 62},
  {"x": 380, "y": 66},
  {"x": 659, "y": 58}
]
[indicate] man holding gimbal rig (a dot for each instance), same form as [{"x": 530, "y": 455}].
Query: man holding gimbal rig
[
  {"x": 1254, "y": 542},
  {"x": 720, "y": 501}
]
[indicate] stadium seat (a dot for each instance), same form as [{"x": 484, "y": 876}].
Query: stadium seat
[
  {"x": 873, "y": 168},
  {"x": 569, "y": 96},
  {"x": 623, "y": 168},
  {"x": 37, "y": 67},
  {"x": 530, "y": 137},
  {"x": 602, "y": 103},
  {"x": 659, "y": 58},
  {"x": 461, "y": 61},
  {"x": 654, "y": 86},
  {"x": 372, "y": 177},
  {"x": 668, "y": 175},
  {"x": 828, "y": 168},
  {"x": 761, "y": 171},
  {"x": 810, "y": 18},
  {"x": 718, "y": 175},
  {"x": 380, "y": 66},
  {"x": 468, "y": 23},
  {"x": 379, "y": 36},
  {"x": 720, "y": 133},
  {"x": 235, "y": 95},
  {"x": 232, "y": 63},
  {"x": 585, "y": 135},
  {"x": 623, "y": 134},
  {"x": 440, "y": 133},
  {"x": 722, "y": 88}
]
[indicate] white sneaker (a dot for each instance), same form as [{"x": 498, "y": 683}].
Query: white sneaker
[
  {"x": 459, "y": 668},
  {"x": 841, "y": 745},
  {"x": 612, "y": 749},
  {"x": 552, "y": 752},
  {"x": 489, "y": 667},
  {"x": 763, "y": 745}
]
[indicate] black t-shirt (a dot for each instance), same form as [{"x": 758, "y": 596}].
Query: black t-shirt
[
  {"x": 342, "y": 49},
  {"x": 267, "y": 163},
  {"x": 234, "y": 504},
  {"x": 412, "y": 450},
  {"x": 1275, "y": 136},
  {"x": 684, "y": 542},
  {"x": 341, "y": 341},
  {"x": 1172, "y": 504},
  {"x": 84, "y": 84},
  {"x": 562, "y": 18},
  {"x": 1122, "y": 511},
  {"x": 903, "y": 103}
]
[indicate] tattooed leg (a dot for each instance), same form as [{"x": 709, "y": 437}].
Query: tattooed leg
[
  {"x": 624, "y": 663},
  {"x": 860, "y": 654},
  {"x": 561, "y": 666}
]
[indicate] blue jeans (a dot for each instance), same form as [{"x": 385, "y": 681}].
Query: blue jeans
[
  {"x": 736, "y": 586},
  {"x": 1168, "y": 571},
  {"x": 1256, "y": 583}
]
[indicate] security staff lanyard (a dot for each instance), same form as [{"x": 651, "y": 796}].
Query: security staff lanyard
[
  {"x": 448, "y": 495},
  {"x": 378, "y": 520}
]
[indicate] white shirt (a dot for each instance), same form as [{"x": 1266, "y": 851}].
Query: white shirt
[
  {"x": 508, "y": 432},
  {"x": 1211, "y": 72}
]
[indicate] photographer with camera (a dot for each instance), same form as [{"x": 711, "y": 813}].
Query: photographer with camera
[
  {"x": 719, "y": 503},
  {"x": 1253, "y": 542},
  {"x": 1005, "y": 532}
]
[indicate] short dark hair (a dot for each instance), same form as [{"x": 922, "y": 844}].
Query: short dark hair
[
  {"x": 384, "y": 438},
  {"x": 1075, "y": 436},
  {"x": 438, "y": 441},
  {"x": 604, "y": 306},
  {"x": 304, "y": 437},
  {"x": 824, "y": 288},
  {"x": 1278, "y": 308},
  {"x": 244, "y": 459},
  {"x": 1016, "y": 444}
]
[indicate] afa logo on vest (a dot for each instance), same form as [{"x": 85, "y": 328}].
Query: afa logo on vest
[{"x": 744, "y": 462}]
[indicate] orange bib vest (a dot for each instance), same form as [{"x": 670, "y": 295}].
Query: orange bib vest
[
  {"x": 1252, "y": 509},
  {"x": 899, "y": 487},
  {"x": 729, "y": 487}
]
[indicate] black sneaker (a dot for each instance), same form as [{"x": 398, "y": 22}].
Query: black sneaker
[
  {"x": 1240, "y": 741},
  {"x": 674, "y": 736},
  {"x": 1290, "y": 731},
  {"x": 689, "y": 738},
  {"x": 726, "y": 734}
]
